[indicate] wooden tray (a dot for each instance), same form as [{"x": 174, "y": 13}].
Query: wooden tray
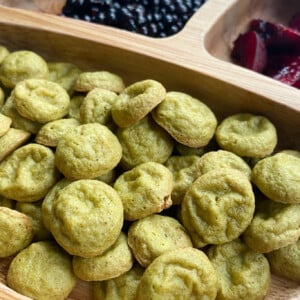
[{"x": 196, "y": 60}]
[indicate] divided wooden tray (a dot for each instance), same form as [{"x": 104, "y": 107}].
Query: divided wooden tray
[{"x": 196, "y": 61}]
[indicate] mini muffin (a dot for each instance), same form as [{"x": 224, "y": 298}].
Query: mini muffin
[
  {"x": 63, "y": 73},
  {"x": 188, "y": 120},
  {"x": 136, "y": 101},
  {"x": 274, "y": 225},
  {"x": 18, "y": 121},
  {"x": 86, "y": 217},
  {"x": 144, "y": 190},
  {"x": 5, "y": 123},
  {"x": 7, "y": 202},
  {"x": 21, "y": 65},
  {"x": 278, "y": 177},
  {"x": 28, "y": 173},
  {"x": 223, "y": 159},
  {"x": 87, "y": 81},
  {"x": 40, "y": 100},
  {"x": 87, "y": 151},
  {"x": 119, "y": 288},
  {"x": 291, "y": 152},
  {"x": 114, "y": 262},
  {"x": 42, "y": 271},
  {"x": 143, "y": 142},
  {"x": 48, "y": 201},
  {"x": 34, "y": 212},
  {"x": 13, "y": 139},
  {"x": 218, "y": 207},
  {"x": 16, "y": 231},
  {"x": 247, "y": 135},
  {"x": 184, "y": 273},
  {"x": 51, "y": 132},
  {"x": 3, "y": 53},
  {"x": 108, "y": 177},
  {"x": 154, "y": 235},
  {"x": 96, "y": 107},
  {"x": 186, "y": 150},
  {"x": 185, "y": 170},
  {"x": 2, "y": 96},
  {"x": 74, "y": 109},
  {"x": 285, "y": 261},
  {"x": 243, "y": 273}
]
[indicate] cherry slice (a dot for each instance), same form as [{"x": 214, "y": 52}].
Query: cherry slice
[
  {"x": 285, "y": 68},
  {"x": 249, "y": 50},
  {"x": 277, "y": 36}
]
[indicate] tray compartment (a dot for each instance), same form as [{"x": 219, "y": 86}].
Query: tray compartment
[{"x": 185, "y": 62}]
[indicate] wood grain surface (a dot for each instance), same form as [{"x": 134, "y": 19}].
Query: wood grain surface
[
  {"x": 47, "y": 6},
  {"x": 196, "y": 60}
]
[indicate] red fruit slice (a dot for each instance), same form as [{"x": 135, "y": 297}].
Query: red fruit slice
[
  {"x": 249, "y": 50},
  {"x": 285, "y": 68},
  {"x": 295, "y": 22},
  {"x": 259, "y": 26},
  {"x": 277, "y": 36}
]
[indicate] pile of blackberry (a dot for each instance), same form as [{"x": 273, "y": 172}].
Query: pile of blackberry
[{"x": 155, "y": 18}]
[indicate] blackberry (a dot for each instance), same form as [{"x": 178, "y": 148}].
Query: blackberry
[{"x": 155, "y": 18}]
